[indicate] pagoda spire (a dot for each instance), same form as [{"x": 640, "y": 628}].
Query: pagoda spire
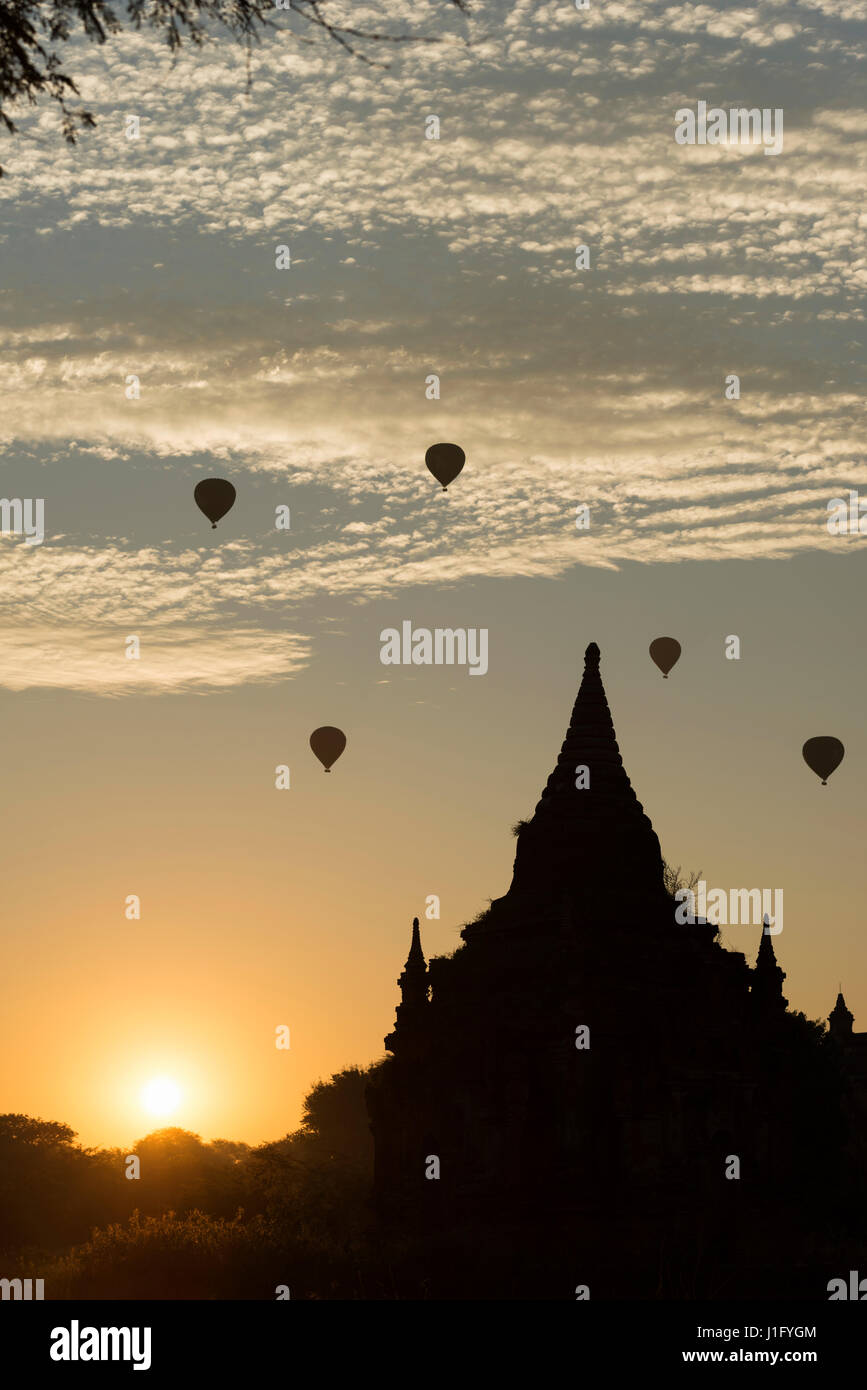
[
  {"x": 415, "y": 961},
  {"x": 767, "y": 977},
  {"x": 589, "y": 844},
  {"x": 414, "y": 987},
  {"x": 840, "y": 1020},
  {"x": 591, "y": 742}
]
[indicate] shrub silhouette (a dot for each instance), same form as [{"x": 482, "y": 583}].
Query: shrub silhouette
[{"x": 205, "y": 1220}]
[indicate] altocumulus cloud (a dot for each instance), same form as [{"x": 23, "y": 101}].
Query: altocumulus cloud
[
  {"x": 601, "y": 387},
  {"x": 92, "y": 661}
]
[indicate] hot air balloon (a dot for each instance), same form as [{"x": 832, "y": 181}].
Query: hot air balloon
[
  {"x": 214, "y": 497},
  {"x": 665, "y": 652},
  {"x": 328, "y": 743},
  {"x": 822, "y": 755},
  {"x": 445, "y": 461}
]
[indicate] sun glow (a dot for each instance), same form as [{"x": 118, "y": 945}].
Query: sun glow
[{"x": 161, "y": 1096}]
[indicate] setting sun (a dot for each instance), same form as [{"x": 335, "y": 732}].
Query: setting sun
[{"x": 161, "y": 1096}]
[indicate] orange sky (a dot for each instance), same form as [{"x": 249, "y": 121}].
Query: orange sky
[
  {"x": 262, "y": 907},
  {"x": 307, "y": 387}
]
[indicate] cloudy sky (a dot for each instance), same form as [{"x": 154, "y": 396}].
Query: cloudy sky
[{"x": 305, "y": 386}]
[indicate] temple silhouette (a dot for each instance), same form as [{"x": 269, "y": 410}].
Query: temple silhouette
[{"x": 588, "y": 1095}]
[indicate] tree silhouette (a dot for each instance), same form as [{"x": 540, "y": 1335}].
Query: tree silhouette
[
  {"x": 48, "y": 1183},
  {"x": 675, "y": 879},
  {"x": 41, "y": 1134},
  {"x": 335, "y": 1115},
  {"x": 181, "y": 1172},
  {"x": 309, "y": 1191}
]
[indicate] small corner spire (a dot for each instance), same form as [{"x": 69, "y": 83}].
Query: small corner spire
[
  {"x": 416, "y": 954},
  {"x": 841, "y": 1019},
  {"x": 414, "y": 989},
  {"x": 767, "y": 977}
]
